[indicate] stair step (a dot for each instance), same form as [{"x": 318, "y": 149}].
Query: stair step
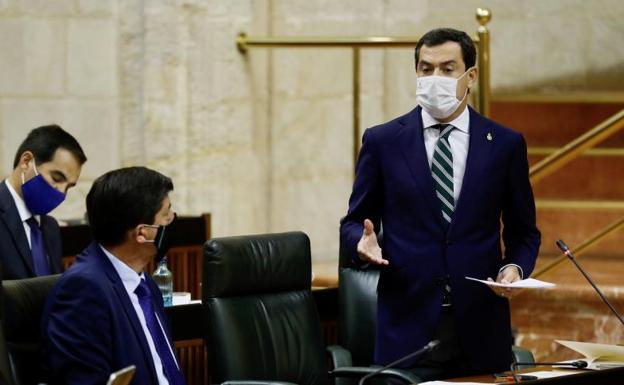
[{"x": 554, "y": 123}]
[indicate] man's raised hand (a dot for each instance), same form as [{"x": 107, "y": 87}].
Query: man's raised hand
[{"x": 368, "y": 249}]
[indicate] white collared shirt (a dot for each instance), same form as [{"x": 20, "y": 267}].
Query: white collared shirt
[
  {"x": 22, "y": 210},
  {"x": 131, "y": 281},
  {"x": 459, "y": 140}
]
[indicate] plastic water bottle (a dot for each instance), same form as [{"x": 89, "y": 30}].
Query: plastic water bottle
[{"x": 164, "y": 279}]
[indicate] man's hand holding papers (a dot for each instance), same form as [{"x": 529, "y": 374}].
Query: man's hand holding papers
[{"x": 509, "y": 290}]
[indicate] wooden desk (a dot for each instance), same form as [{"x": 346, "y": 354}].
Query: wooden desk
[{"x": 587, "y": 377}]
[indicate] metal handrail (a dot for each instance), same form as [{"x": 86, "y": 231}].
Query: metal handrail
[
  {"x": 482, "y": 41},
  {"x": 565, "y": 155},
  {"x": 595, "y": 152},
  {"x": 600, "y": 235},
  {"x": 576, "y": 147}
]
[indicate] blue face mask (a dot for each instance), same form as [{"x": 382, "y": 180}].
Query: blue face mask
[{"x": 40, "y": 197}]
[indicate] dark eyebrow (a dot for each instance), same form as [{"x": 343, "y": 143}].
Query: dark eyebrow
[{"x": 446, "y": 63}]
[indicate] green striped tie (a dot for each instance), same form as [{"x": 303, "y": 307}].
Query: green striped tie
[{"x": 442, "y": 171}]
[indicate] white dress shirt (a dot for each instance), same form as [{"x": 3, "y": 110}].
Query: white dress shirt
[
  {"x": 459, "y": 139},
  {"x": 22, "y": 210},
  {"x": 131, "y": 281}
]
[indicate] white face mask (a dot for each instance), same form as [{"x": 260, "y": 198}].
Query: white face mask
[{"x": 438, "y": 95}]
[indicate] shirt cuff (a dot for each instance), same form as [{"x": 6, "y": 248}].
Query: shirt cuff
[{"x": 513, "y": 264}]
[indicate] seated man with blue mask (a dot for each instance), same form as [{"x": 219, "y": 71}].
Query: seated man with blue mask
[
  {"x": 47, "y": 164},
  {"x": 105, "y": 313}
]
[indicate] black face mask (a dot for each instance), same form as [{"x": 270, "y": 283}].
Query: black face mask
[{"x": 162, "y": 241}]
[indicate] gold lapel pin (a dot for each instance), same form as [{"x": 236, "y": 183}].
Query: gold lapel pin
[{"x": 489, "y": 136}]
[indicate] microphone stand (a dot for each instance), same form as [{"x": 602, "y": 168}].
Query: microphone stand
[
  {"x": 580, "y": 364},
  {"x": 427, "y": 348},
  {"x": 566, "y": 250}
]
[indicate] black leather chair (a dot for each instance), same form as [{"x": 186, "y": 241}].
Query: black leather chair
[
  {"x": 261, "y": 321},
  {"x": 358, "y": 317},
  {"x": 23, "y": 302},
  {"x": 5, "y": 369},
  {"x": 356, "y": 325}
]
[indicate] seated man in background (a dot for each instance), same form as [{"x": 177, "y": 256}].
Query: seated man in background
[
  {"x": 47, "y": 164},
  {"x": 105, "y": 313}
]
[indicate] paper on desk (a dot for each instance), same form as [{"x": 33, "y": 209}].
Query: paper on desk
[
  {"x": 538, "y": 374},
  {"x": 598, "y": 356},
  {"x": 528, "y": 283},
  {"x": 553, "y": 373},
  {"x": 452, "y": 383}
]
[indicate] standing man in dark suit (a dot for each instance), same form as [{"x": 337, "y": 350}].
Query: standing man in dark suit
[
  {"x": 439, "y": 180},
  {"x": 105, "y": 313},
  {"x": 47, "y": 164}
]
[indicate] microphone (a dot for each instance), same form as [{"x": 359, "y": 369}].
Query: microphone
[
  {"x": 425, "y": 349},
  {"x": 580, "y": 364},
  {"x": 566, "y": 250}
]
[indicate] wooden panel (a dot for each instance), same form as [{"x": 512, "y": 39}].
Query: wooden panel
[
  {"x": 186, "y": 263},
  {"x": 193, "y": 358}
]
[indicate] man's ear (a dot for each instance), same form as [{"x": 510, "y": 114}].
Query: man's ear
[
  {"x": 139, "y": 233},
  {"x": 472, "y": 75},
  {"x": 24, "y": 160}
]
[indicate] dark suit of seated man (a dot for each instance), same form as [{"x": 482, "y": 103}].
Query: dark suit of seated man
[
  {"x": 46, "y": 165},
  {"x": 105, "y": 313}
]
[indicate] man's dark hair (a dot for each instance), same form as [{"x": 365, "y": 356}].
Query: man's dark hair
[
  {"x": 442, "y": 35},
  {"x": 122, "y": 199},
  {"x": 45, "y": 140}
]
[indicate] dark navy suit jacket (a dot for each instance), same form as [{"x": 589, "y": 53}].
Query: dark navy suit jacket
[
  {"x": 15, "y": 255},
  {"x": 90, "y": 327},
  {"x": 393, "y": 187}
]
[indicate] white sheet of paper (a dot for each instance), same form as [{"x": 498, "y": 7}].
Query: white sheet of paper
[
  {"x": 538, "y": 374},
  {"x": 598, "y": 356},
  {"x": 554, "y": 373},
  {"x": 528, "y": 283},
  {"x": 452, "y": 383}
]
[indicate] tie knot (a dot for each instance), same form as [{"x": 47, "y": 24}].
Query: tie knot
[
  {"x": 445, "y": 129},
  {"x": 32, "y": 222},
  {"x": 142, "y": 291}
]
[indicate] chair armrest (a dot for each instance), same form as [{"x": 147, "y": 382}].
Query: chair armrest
[
  {"x": 340, "y": 356},
  {"x": 253, "y": 382},
  {"x": 358, "y": 371},
  {"x": 522, "y": 355}
]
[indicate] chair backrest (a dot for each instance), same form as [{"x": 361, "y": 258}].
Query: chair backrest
[
  {"x": 357, "y": 298},
  {"x": 261, "y": 321},
  {"x": 5, "y": 369},
  {"x": 23, "y": 302}
]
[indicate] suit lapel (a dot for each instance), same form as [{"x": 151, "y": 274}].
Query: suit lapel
[
  {"x": 126, "y": 304},
  {"x": 410, "y": 138},
  {"x": 13, "y": 222},
  {"x": 479, "y": 148}
]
